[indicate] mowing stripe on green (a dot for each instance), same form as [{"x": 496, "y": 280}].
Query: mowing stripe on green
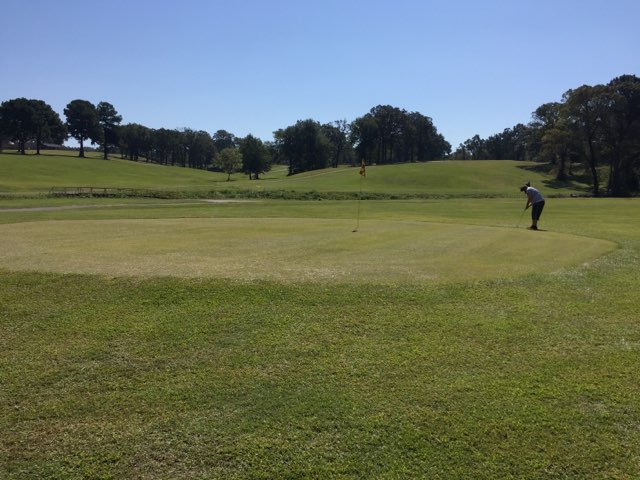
[{"x": 290, "y": 249}]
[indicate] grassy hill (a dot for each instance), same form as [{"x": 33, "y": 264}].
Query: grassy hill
[
  {"x": 31, "y": 173},
  {"x": 449, "y": 178},
  {"x": 38, "y": 174}
]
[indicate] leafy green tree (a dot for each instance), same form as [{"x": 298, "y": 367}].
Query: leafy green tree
[
  {"x": 420, "y": 139},
  {"x": 134, "y": 141},
  {"x": 621, "y": 134},
  {"x": 108, "y": 119},
  {"x": 460, "y": 153},
  {"x": 390, "y": 121},
  {"x": 229, "y": 160},
  {"x": 272, "y": 150},
  {"x": 510, "y": 144},
  {"x": 597, "y": 125},
  {"x": 304, "y": 146},
  {"x": 338, "y": 135},
  {"x": 365, "y": 138},
  {"x": 165, "y": 146},
  {"x": 554, "y": 141},
  {"x": 558, "y": 143},
  {"x": 24, "y": 120},
  {"x": 255, "y": 157},
  {"x": 199, "y": 148},
  {"x": 223, "y": 139},
  {"x": 585, "y": 107},
  {"x": 521, "y": 139},
  {"x": 390, "y": 135},
  {"x": 18, "y": 121},
  {"x": 82, "y": 122},
  {"x": 48, "y": 125},
  {"x": 475, "y": 146}
]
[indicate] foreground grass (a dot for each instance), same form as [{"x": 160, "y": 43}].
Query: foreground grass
[
  {"x": 528, "y": 377},
  {"x": 174, "y": 379}
]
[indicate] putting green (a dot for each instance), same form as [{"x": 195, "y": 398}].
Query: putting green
[{"x": 290, "y": 249}]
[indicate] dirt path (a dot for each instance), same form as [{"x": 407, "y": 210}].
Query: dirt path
[{"x": 112, "y": 205}]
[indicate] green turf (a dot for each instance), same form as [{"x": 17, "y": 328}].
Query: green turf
[
  {"x": 527, "y": 375},
  {"x": 450, "y": 178},
  {"x": 31, "y": 173},
  {"x": 291, "y": 250}
]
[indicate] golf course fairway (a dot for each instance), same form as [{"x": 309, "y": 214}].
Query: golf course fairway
[{"x": 291, "y": 249}]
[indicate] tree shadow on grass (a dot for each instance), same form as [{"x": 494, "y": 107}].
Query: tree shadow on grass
[{"x": 578, "y": 182}]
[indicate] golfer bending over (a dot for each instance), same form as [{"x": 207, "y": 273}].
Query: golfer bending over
[{"x": 534, "y": 200}]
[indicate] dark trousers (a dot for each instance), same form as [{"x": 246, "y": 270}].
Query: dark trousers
[{"x": 536, "y": 210}]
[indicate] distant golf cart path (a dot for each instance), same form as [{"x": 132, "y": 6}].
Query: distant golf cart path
[{"x": 115, "y": 205}]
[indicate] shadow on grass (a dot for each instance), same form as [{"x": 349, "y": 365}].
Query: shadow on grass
[{"x": 576, "y": 181}]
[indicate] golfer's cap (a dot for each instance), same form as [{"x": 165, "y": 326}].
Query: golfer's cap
[{"x": 523, "y": 188}]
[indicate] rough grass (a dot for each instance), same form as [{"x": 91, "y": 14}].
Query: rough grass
[{"x": 181, "y": 379}]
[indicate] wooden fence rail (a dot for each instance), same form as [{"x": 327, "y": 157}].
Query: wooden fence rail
[{"x": 101, "y": 192}]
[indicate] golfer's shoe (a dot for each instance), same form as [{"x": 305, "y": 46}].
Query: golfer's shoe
[{"x": 532, "y": 227}]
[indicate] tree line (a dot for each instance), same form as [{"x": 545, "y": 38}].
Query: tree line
[
  {"x": 597, "y": 127},
  {"x": 385, "y": 134},
  {"x": 26, "y": 120}
]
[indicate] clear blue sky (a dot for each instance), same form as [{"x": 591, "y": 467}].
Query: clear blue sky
[{"x": 253, "y": 66}]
